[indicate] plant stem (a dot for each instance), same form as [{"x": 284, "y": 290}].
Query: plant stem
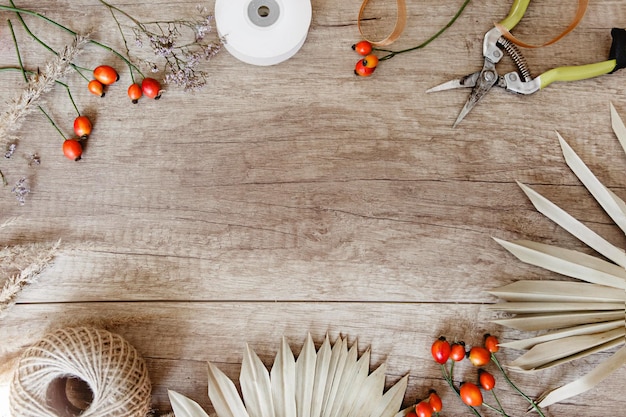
[
  {"x": 17, "y": 50},
  {"x": 131, "y": 66},
  {"x": 119, "y": 27},
  {"x": 508, "y": 380},
  {"x": 112, "y": 8},
  {"x": 52, "y": 122},
  {"x": 499, "y": 411},
  {"x": 449, "y": 379},
  {"x": 495, "y": 397},
  {"x": 45, "y": 45},
  {"x": 67, "y": 87},
  {"x": 429, "y": 40},
  {"x": 4, "y": 180}
]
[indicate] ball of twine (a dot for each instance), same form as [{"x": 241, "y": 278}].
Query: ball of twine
[{"x": 101, "y": 361}]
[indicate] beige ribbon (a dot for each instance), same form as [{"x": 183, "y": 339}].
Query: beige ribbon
[
  {"x": 397, "y": 30},
  {"x": 582, "y": 8}
]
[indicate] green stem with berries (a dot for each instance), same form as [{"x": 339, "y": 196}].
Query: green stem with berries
[
  {"x": 21, "y": 68},
  {"x": 495, "y": 397},
  {"x": 450, "y": 380},
  {"x": 14, "y": 9},
  {"x": 52, "y": 122},
  {"x": 508, "y": 380},
  {"x": 391, "y": 54}
]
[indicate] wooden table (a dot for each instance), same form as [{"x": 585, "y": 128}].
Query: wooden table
[{"x": 299, "y": 198}]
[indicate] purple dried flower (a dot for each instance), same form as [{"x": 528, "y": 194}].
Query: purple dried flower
[
  {"x": 21, "y": 190},
  {"x": 10, "y": 150}
]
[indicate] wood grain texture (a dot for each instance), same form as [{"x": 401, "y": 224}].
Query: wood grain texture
[{"x": 298, "y": 198}]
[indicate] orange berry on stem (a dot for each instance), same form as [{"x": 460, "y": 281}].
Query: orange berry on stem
[
  {"x": 370, "y": 61},
  {"x": 105, "y": 74},
  {"x": 440, "y": 350},
  {"x": 457, "y": 351},
  {"x": 362, "y": 48},
  {"x": 134, "y": 92},
  {"x": 471, "y": 395},
  {"x": 435, "y": 401},
  {"x": 82, "y": 126},
  {"x": 151, "y": 88},
  {"x": 486, "y": 380},
  {"x": 362, "y": 70},
  {"x": 96, "y": 87},
  {"x": 479, "y": 356},
  {"x": 72, "y": 149},
  {"x": 491, "y": 343},
  {"x": 423, "y": 409}
]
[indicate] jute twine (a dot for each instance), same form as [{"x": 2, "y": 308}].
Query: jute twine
[{"x": 102, "y": 361}]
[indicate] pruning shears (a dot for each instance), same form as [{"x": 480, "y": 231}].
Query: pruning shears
[{"x": 495, "y": 45}]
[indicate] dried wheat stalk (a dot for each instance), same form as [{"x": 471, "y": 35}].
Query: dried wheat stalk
[
  {"x": 38, "y": 84},
  {"x": 29, "y": 260}
]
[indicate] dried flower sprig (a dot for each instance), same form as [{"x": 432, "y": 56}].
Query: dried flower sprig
[
  {"x": 38, "y": 84},
  {"x": 21, "y": 189},
  {"x": 181, "y": 45},
  {"x": 30, "y": 261}
]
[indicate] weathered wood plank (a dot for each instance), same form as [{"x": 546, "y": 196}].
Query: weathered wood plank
[
  {"x": 178, "y": 338},
  {"x": 298, "y": 198}
]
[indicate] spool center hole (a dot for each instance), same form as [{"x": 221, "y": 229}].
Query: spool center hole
[
  {"x": 263, "y": 11},
  {"x": 69, "y": 396}
]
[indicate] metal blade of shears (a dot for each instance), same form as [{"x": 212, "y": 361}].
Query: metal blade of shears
[
  {"x": 469, "y": 81},
  {"x": 487, "y": 78}
]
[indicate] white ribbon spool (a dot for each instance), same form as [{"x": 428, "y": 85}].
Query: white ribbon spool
[{"x": 263, "y": 32}]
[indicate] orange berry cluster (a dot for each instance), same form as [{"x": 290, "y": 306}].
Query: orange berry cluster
[
  {"x": 366, "y": 65},
  {"x": 428, "y": 407},
  {"x": 105, "y": 75},
  {"x": 470, "y": 393}
]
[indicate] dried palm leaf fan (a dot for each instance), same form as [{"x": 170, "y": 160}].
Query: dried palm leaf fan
[
  {"x": 333, "y": 381},
  {"x": 577, "y": 318}
]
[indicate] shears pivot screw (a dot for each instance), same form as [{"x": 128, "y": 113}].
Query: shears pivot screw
[{"x": 489, "y": 76}]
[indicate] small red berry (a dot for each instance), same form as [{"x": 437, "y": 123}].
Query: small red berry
[
  {"x": 457, "y": 351},
  {"x": 82, "y": 126},
  {"x": 96, "y": 87},
  {"x": 471, "y": 395},
  {"x": 440, "y": 350},
  {"x": 486, "y": 380},
  {"x": 72, "y": 149},
  {"x": 370, "y": 61},
  {"x": 435, "y": 401},
  {"x": 423, "y": 409},
  {"x": 411, "y": 414},
  {"x": 479, "y": 356},
  {"x": 362, "y": 70},
  {"x": 151, "y": 88},
  {"x": 134, "y": 92},
  {"x": 105, "y": 74},
  {"x": 491, "y": 343},
  {"x": 362, "y": 48}
]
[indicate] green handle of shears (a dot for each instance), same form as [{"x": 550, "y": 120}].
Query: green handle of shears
[
  {"x": 515, "y": 15},
  {"x": 575, "y": 73}
]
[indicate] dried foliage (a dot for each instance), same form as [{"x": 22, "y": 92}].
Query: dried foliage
[
  {"x": 577, "y": 318},
  {"x": 22, "y": 265},
  {"x": 331, "y": 381}
]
